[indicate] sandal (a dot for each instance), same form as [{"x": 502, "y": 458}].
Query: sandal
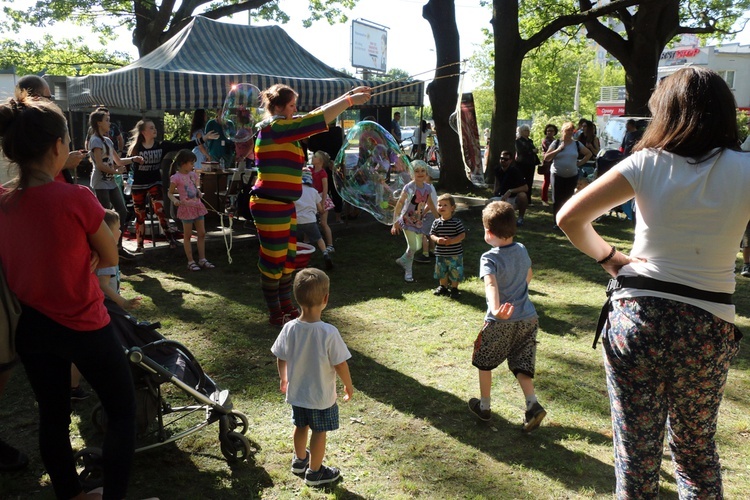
[
  {"x": 193, "y": 266},
  {"x": 205, "y": 264}
]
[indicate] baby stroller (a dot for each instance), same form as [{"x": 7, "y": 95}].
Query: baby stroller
[{"x": 156, "y": 361}]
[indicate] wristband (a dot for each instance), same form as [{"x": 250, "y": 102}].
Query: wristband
[
  {"x": 349, "y": 101},
  {"x": 608, "y": 257}
]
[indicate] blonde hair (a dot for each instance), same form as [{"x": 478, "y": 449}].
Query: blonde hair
[
  {"x": 327, "y": 162},
  {"x": 111, "y": 218},
  {"x": 311, "y": 287},
  {"x": 449, "y": 197}
]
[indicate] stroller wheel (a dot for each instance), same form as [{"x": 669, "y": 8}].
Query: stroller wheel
[
  {"x": 99, "y": 418},
  {"x": 245, "y": 425},
  {"x": 235, "y": 447},
  {"x": 89, "y": 467}
]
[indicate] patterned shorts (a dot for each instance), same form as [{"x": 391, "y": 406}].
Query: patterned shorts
[
  {"x": 514, "y": 341},
  {"x": 449, "y": 266},
  {"x": 318, "y": 420}
]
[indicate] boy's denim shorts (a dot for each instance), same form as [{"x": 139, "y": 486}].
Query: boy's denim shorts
[
  {"x": 311, "y": 230},
  {"x": 318, "y": 420}
]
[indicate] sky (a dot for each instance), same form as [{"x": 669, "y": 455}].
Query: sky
[{"x": 411, "y": 46}]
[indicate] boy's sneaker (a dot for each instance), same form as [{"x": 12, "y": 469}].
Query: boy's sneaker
[
  {"x": 79, "y": 393},
  {"x": 330, "y": 249},
  {"x": 409, "y": 277},
  {"x": 299, "y": 465},
  {"x": 328, "y": 261},
  {"x": 519, "y": 221},
  {"x": 534, "y": 417},
  {"x": 454, "y": 293},
  {"x": 476, "y": 409},
  {"x": 745, "y": 271},
  {"x": 11, "y": 459},
  {"x": 325, "y": 475},
  {"x": 441, "y": 290}
]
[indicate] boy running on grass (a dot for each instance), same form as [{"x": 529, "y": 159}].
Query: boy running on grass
[
  {"x": 511, "y": 322},
  {"x": 310, "y": 353}
]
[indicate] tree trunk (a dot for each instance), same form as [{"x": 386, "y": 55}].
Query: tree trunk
[
  {"x": 508, "y": 59},
  {"x": 443, "y": 92},
  {"x": 648, "y": 30}
]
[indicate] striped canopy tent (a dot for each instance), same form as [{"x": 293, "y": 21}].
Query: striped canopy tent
[{"x": 196, "y": 68}]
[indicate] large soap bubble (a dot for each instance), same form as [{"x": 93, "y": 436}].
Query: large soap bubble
[
  {"x": 370, "y": 171},
  {"x": 241, "y": 111}
]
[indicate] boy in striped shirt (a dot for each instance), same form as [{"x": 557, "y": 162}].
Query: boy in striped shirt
[{"x": 448, "y": 232}]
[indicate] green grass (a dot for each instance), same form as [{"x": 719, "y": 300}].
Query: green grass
[{"x": 407, "y": 433}]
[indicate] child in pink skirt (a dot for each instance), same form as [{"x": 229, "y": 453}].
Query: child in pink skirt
[{"x": 190, "y": 208}]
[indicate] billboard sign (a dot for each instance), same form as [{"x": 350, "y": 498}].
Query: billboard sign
[{"x": 369, "y": 46}]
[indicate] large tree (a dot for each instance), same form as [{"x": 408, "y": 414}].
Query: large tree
[
  {"x": 647, "y": 31},
  {"x": 548, "y": 78},
  {"x": 511, "y": 48},
  {"x": 443, "y": 91},
  {"x": 153, "y": 23}
]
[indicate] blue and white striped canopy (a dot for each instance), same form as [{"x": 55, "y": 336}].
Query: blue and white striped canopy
[{"x": 196, "y": 68}]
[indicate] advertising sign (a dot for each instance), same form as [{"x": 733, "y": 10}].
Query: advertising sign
[{"x": 369, "y": 46}]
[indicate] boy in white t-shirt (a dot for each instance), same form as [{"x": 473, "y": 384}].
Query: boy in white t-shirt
[
  {"x": 310, "y": 353},
  {"x": 308, "y": 206}
]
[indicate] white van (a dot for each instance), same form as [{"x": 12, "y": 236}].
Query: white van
[{"x": 614, "y": 131}]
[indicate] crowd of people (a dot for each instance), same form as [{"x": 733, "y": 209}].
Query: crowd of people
[{"x": 668, "y": 327}]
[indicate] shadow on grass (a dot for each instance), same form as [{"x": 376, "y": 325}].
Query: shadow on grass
[{"x": 540, "y": 451}]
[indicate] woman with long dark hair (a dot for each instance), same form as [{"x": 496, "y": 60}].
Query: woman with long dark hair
[
  {"x": 53, "y": 235},
  {"x": 668, "y": 329}
]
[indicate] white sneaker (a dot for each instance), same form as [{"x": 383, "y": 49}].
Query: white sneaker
[{"x": 330, "y": 249}]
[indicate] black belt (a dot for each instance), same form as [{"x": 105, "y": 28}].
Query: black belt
[{"x": 643, "y": 283}]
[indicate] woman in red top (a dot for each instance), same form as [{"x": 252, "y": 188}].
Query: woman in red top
[{"x": 58, "y": 236}]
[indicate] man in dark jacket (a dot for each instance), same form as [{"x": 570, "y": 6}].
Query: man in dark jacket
[{"x": 510, "y": 185}]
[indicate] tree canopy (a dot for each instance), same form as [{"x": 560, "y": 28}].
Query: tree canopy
[
  {"x": 639, "y": 35},
  {"x": 153, "y": 23},
  {"x": 67, "y": 57}
]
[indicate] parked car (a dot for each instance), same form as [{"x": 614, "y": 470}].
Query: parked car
[{"x": 614, "y": 131}]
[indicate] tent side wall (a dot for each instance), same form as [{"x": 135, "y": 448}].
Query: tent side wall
[{"x": 149, "y": 90}]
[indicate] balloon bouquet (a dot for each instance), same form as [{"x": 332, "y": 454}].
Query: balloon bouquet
[{"x": 370, "y": 170}]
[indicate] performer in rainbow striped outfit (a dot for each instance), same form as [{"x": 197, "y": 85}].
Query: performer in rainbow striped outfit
[{"x": 280, "y": 161}]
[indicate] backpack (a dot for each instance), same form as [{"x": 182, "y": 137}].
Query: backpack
[
  {"x": 556, "y": 143},
  {"x": 10, "y": 312},
  {"x": 243, "y": 197}
]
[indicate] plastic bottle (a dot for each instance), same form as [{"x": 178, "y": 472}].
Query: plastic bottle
[{"x": 129, "y": 184}]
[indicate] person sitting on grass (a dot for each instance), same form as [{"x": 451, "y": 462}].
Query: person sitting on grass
[
  {"x": 308, "y": 206},
  {"x": 447, "y": 233},
  {"x": 310, "y": 353},
  {"x": 510, "y": 185},
  {"x": 511, "y": 322}
]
